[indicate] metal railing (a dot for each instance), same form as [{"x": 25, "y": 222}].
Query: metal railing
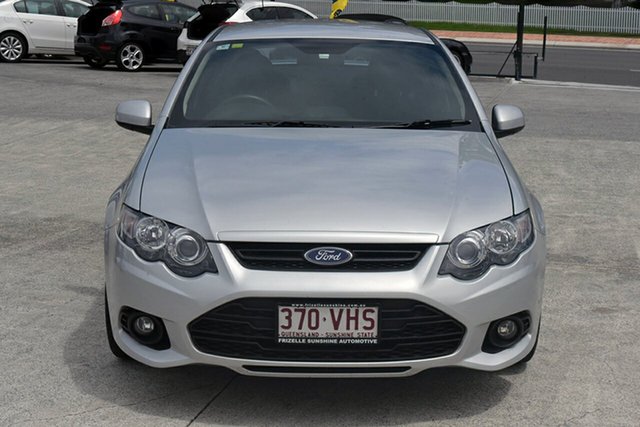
[{"x": 579, "y": 18}]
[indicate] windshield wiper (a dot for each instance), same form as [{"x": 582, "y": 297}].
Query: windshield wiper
[
  {"x": 427, "y": 124},
  {"x": 289, "y": 124},
  {"x": 268, "y": 123}
]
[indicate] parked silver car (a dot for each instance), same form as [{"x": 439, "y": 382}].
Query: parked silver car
[{"x": 323, "y": 199}]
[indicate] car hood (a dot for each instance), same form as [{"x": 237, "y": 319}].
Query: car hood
[{"x": 225, "y": 183}]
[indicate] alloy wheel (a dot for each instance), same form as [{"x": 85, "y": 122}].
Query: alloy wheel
[
  {"x": 131, "y": 57},
  {"x": 11, "y": 48}
]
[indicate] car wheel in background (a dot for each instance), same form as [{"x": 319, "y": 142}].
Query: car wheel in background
[
  {"x": 130, "y": 57},
  {"x": 94, "y": 61},
  {"x": 460, "y": 60},
  {"x": 13, "y": 47},
  {"x": 117, "y": 351}
]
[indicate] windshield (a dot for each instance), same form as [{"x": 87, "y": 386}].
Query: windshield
[{"x": 316, "y": 82}]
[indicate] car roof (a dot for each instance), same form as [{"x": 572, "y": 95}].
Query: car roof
[
  {"x": 322, "y": 28},
  {"x": 130, "y": 2},
  {"x": 252, "y": 3}
]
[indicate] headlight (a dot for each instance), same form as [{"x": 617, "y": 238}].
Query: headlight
[
  {"x": 472, "y": 253},
  {"x": 184, "y": 251}
]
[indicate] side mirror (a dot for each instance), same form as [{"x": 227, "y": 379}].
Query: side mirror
[
  {"x": 135, "y": 116},
  {"x": 506, "y": 120}
]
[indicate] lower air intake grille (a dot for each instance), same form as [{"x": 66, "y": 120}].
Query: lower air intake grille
[
  {"x": 290, "y": 256},
  {"x": 297, "y": 370},
  {"x": 247, "y": 328}
]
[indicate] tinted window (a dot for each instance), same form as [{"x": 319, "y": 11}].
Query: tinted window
[
  {"x": 20, "y": 7},
  {"x": 73, "y": 9},
  {"x": 176, "y": 14},
  {"x": 40, "y": 7},
  {"x": 146, "y": 11},
  {"x": 290, "y": 13},
  {"x": 353, "y": 83},
  {"x": 263, "y": 13}
]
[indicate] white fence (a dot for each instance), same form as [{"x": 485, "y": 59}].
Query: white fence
[{"x": 580, "y": 18}]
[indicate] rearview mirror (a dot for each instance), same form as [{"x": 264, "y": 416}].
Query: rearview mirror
[
  {"x": 506, "y": 120},
  {"x": 135, "y": 116}
]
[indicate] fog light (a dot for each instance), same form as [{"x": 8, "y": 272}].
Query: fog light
[
  {"x": 507, "y": 329},
  {"x": 145, "y": 328},
  {"x": 506, "y": 332},
  {"x": 144, "y": 325},
  {"x": 503, "y": 333}
]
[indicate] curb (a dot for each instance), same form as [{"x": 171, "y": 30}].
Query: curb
[
  {"x": 550, "y": 43},
  {"x": 560, "y": 84},
  {"x": 575, "y": 85}
]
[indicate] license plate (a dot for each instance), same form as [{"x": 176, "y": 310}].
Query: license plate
[{"x": 327, "y": 324}]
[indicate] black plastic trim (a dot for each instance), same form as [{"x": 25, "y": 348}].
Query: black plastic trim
[{"x": 247, "y": 328}]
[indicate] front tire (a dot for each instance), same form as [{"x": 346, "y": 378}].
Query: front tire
[
  {"x": 13, "y": 47},
  {"x": 113, "y": 345},
  {"x": 95, "y": 61},
  {"x": 130, "y": 57}
]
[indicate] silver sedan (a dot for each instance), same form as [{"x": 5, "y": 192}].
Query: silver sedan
[{"x": 323, "y": 199}]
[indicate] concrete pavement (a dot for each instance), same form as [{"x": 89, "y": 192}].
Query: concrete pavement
[{"x": 62, "y": 155}]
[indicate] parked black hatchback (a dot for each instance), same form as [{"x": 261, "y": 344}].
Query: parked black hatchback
[{"x": 131, "y": 33}]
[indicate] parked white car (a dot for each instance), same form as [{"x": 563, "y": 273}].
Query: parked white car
[
  {"x": 210, "y": 16},
  {"x": 38, "y": 27}
]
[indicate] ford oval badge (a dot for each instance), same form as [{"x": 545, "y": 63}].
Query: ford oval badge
[{"x": 328, "y": 256}]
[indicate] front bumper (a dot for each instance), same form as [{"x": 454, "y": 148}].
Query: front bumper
[{"x": 152, "y": 288}]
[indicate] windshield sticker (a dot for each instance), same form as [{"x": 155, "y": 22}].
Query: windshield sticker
[
  {"x": 223, "y": 47},
  {"x": 237, "y": 46},
  {"x": 357, "y": 62}
]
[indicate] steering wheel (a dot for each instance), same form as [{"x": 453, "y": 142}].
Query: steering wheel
[{"x": 242, "y": 100}]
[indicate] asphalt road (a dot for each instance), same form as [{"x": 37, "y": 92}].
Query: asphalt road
[
  {"x": 568, "y": 64},
  {"x": 61, "y": 155}
]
